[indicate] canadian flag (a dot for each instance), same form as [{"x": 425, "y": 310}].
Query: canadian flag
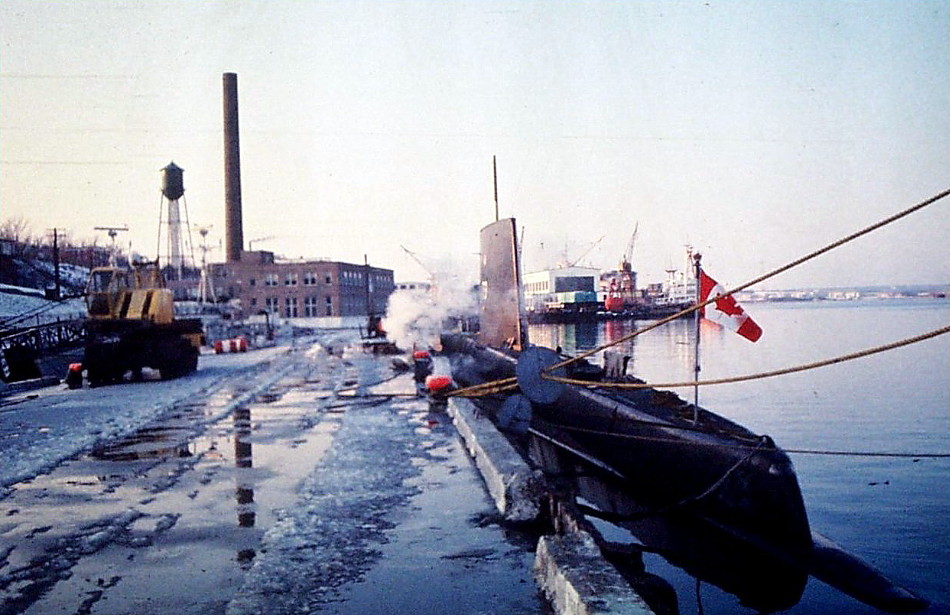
[{"x": 725, "y": 311}]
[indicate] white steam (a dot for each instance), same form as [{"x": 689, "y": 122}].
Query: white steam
[{"x": 418, "y": 317}]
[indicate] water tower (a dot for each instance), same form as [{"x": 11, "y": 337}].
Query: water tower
[{"x": 178, "y": 234}]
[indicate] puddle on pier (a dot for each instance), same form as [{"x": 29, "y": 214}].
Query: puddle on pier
[
  {"x": 213, "y": 473},
  {"x": 171, "y": 517},
  {"x": 172, "y": 436},
  {"x": 394, "y": 519}
]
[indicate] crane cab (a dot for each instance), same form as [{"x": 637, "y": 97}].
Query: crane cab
[{"x": 114, "y": 293}]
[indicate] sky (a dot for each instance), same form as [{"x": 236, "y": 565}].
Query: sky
[{"x": 756, "y": 132}]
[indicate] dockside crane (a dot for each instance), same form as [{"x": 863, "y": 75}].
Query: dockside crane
[
  {"x": 622, "y": 291},
  {"x": 586, "y": 252},
  {"x": 627, "y": 259},
  {"x": 419, "y": 262}
]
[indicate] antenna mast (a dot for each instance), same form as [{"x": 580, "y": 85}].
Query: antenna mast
[
  {"x": 494, "y": 167},
  {"x": 205, "y": 284},
  {"x": 112, "y": 231}
]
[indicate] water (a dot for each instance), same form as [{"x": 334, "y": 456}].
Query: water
[{"x": 892, "y": 512}]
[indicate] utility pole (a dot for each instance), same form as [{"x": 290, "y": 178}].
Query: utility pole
[
  {"x": 369, "y": 287},
  {"x": 59, "y": 292}
]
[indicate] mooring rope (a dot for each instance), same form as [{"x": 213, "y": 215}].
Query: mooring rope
[
  {"x": 762, "y": 278},
  {"x": 505, "y": 384},
  {"x": 479, "y": 390},
  {"x": 485, "y": 389},
  {"x": 778, "y": 372},
  {"x": 800, "y": 451}
]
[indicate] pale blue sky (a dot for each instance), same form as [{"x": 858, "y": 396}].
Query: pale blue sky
[{"x": 756, "y": 131}]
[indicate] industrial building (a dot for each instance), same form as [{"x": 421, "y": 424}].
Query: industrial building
[
  {"x": 559, "y": 288},
  {"x": 302, "y": 289}
]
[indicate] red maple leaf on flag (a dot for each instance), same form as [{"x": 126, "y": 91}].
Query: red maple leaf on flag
[{"x": 725, "y": 310}]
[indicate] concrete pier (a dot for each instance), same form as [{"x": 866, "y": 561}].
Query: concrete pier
[
  {"x": 576, "y": 579},
  {"x": 569, "y": 568},
  {"x": 518, "y": 490}
]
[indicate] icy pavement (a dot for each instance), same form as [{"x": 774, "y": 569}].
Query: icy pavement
[
  {"x": 41, "y": 428},
  {"x": 251, "y": 487},
  {"x": 393, "y": 521}
]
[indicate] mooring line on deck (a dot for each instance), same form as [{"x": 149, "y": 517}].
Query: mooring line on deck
[
  {"x": 507, "y": 384},
  {"x": 757, "y": 376},
  {"x": 762, "y": 278},
  {"x": 800, "y": 451},
  {"x": 486, "y": 388}
]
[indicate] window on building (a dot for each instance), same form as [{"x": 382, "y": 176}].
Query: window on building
[
  {"x": 573, "y": 283},
  {"x": 253, "y": 301},
  {"x": 290, "y": 307},
  {"x": 311, "y": 307},
  {"x": 310, "y": 278},
  {"x": 252, "y": 282},
  {"x": 290, "y": 279},
  {"x": 271, "y": 279},
  {"x": 272, "y": 304}
]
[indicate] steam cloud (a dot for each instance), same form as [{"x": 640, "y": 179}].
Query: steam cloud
[{"x": 418, "y": 316}]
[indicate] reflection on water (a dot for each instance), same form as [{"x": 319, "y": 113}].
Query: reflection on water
[
  {"x": 243, "y": 459},
  {"x": 159, "y": 442},
  {"x": 173, "y": 436},
  {"x": 673, "y": 342},
  {"x": 891, "y": 512},
  {"x": 570, "y": 337}
]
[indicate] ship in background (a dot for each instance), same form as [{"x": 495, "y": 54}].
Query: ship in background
[
  {"x": 679, "y": 290},
  {"x": 570, "y": 294}
]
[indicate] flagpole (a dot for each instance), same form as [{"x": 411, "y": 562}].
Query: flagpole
[{"x": 697, "y": 259}]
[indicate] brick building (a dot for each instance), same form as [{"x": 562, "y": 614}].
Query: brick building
[{"x": 302, "y": 289}]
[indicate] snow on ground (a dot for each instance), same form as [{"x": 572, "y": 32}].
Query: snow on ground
[
  {"x": 28, "y": 307},
  {"x": 73, "y": 275},
  {"x": 41, "y": 428}
]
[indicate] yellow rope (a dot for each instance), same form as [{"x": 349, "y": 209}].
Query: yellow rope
[
  {"x": 748, "y": 447},
  {"x": 760, "y": 375},
  {"x": 487, "y": 392},
  {"x": 505, "y": 384},
  {"x": 486, "y": 388},
  {"x": 759, "y": 279}
]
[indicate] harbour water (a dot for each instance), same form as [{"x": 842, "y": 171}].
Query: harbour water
[{"x": 893, "y": 512}]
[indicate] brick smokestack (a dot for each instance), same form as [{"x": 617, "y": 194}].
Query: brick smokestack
[{"x": 234, "y": 228}]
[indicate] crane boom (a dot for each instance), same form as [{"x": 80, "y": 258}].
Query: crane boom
[
  {"x": 416, "y": 258},
  {"x": 628, "y": 255},
  {"x": 587, "y": 251}
]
